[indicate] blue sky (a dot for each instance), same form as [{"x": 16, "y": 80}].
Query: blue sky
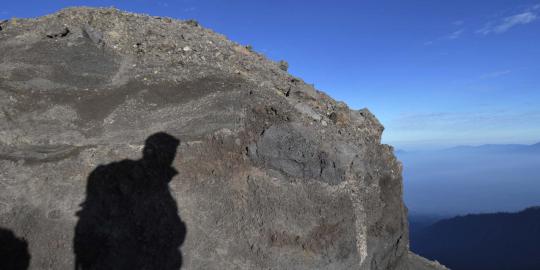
[{"x": 436, "y": 73}]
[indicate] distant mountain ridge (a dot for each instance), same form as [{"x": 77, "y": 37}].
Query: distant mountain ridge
[
  {"x": 496, "y": 148},
  {"x": 483, "y": 241},
  {"x": 480, "y": 148}
]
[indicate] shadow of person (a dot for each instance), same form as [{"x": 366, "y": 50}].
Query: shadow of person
[
  {"x": 13, "y": 251},
  {"x": 129, "y": 219}
]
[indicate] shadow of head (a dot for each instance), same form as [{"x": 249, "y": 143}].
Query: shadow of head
[
  {"x": 13, "y": 251},
  {"x": 160, "y": 149}
]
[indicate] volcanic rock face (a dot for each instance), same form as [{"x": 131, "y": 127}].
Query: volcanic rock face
[{"x": 268, "y": 173}]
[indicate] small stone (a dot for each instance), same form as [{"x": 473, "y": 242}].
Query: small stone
[
  {"x": 283, "y": 65},
  {"x": 58, "y": 32},
  {"x": 192, "y": 22},
  {"x": 2, "y": 24},
  {"x": 95, "y": 36},
  {"x": 54, "y": 214},
  {"x": 186, "y": 49},
  {"x": 324, "y": 123}
]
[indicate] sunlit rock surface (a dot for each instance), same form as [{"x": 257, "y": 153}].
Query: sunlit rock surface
[{"x": 270, "y": 172}]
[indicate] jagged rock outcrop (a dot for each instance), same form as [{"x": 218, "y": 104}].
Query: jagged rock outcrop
[{"x": 269, "y": 173}]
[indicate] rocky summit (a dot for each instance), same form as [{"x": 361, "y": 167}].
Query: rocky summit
[{"x": 136, "y": 142}]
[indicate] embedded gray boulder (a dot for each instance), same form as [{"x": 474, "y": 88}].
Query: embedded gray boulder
[{"x": 269, "y": 173}]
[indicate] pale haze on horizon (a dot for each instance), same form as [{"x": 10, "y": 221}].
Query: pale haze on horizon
[{"x": 436, "y": 74}]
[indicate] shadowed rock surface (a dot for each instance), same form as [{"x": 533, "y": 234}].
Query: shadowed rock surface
[
  {"x": 13, "y": 251},
  {"x": 272, "y": 173}
]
